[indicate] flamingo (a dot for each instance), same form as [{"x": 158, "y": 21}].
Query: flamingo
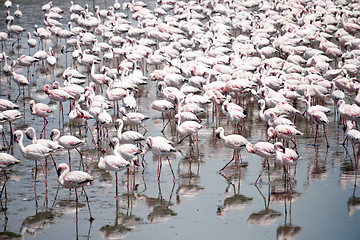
[
  {"x": 159, "y": 148},
  {"x": 133, "y": 118},
  {"x": 284, "y": 132},
  {"x": 114, "y": 163},
  {"x": 74, "y": 179},
  {"x": 233, "y": 141},
  {"x": 128, "y": 151},
  {"x": 15, "y": 29},
  {"x": 163, "y": 106},
  {"x": 319, "y": 118},
  {"x": 7, "y": 105},
  {"x": 40, "y": 110},
  {"x": 285, "y": 157},
  {"x": 68, "y": 142},
  {"x": 21, "y": 81},
  {"x": 262, "y": 149},
  {"x": 104, "y": 119},
  {"x": 187, "y": 129},
  {"x": 352, "y": 135},
  {"x": 31, "y": 41},
  {"x": 6, "y": 160},
  {"x": 128, "y": 136},
  {"x": 33, "y": 152},
  {"x": 58, "y": 95}
]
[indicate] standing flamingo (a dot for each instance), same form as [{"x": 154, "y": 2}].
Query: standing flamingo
[
  {"x": 114, "y": 163},
  {"x": 133, "y": 118},
  {"x": 128, "y": 136},
  {"x": 58, "y": 95},
  {"x": 163, "y": 106},
  {"x": 40, "y": 110},
  {"x": 159, "y": 148},
  {"x": 262, "y": 149},
  {"x": 74, "y": 179},
  {"x": 33, "y": 152},
  {"x": 233, "y": 141},
  {"x": 68, "y": 142},
  {"x": 353, "y": 136},
  {"x": 285, "y": 157},
  {"x": 188, "y": 129}
]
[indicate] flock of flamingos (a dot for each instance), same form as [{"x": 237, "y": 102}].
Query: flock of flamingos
[{"x": 207, "y": 58}]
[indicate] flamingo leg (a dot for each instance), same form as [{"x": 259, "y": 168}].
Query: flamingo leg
[
  {"x": 174, "y": 178},
  {"x": 143, "y": 128},
  {"x": 82, "y": 160},
  {"x": 35, "y": 174},
  {"x": 77, "y": 200},
  {"x": 226, "y": 165},
  {"x": 159, "y": 168},
  {"x": 87, "y": 200},
  {"x": 4, "y": 186},
  {"x": 327, "y": 143},
  {"x": 116, "y": 186},
  {"x": 45, "y": 172},
  {"x": 69, "y": 159},
  {"x": 43, "y": 130}
]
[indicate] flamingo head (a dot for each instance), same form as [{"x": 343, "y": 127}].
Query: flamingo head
[
  {"x": 249, "y": 147},
  {"x": 28, "y": 134},
  {"x": 279, "y": 146},
  {"x": 52, "y": 134},
  {"x": 62, "y": 167},
  {"x": 46, "y": 89},
  {"x": 271, "y": 132},
  {"x": 148, "y": 143},
  {"x": 16, "y": 133},
  {"x": 118, "y": 122},
  {"x": 218, "y": 132}
]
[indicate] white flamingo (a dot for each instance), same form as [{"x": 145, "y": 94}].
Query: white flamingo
[{"x": 74, "y": 179}]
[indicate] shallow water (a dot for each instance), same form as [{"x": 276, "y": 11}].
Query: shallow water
[{"x": 321, "y": 202}]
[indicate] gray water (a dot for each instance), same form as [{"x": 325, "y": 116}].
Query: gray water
[{"x": 321, "y": 202}]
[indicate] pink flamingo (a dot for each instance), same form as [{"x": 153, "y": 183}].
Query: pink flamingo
[
  {"x": 133, "y": 118},
  {"x": 285, "y": 157},
  {"x": 114, "y": 163},
  {"x": 7, "y": 105},
  {"x": 128, "y": 151},
  {"x": 353, "y": 136},
  {"x": 74, "y": 179},
  {"x": 33, "y": 152},
  {"x": 128, "y": 136},
  {"x": 262, "y": 149},
  {"x": 187, "y": 129},
  {"x": 233, "y": 141},
  {"x": 159, "y": 148},
  {"x": 58, "y": 95},
  {"x": 68, "y": 142},
  {"x": 284, "y": 132},
  {"x": 164, "y": 107},
  {"x": 40, "y": 110},
  {"x": 6, "y": 160},
  {"x": 21, "y": 81}
]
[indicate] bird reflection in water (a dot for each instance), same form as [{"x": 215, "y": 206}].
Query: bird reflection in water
[
  {"x": 124, "y": 223},
  {"x": 6, "y": 234},
  {"x": 160, "y": 207},
  {"x": 188, "y": 179},
  {"x": 40, "y": 221},
  {"x": 288, "y": 230},
  {"x": 266, "y": 216},
  {"x": 317, "y": 169},
  {"x": 237, "y": 201}
]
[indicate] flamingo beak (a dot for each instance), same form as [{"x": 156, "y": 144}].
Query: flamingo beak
[
  {"x": 59, "y": 171},
  {"x": 218, "y": 135},
  {"x": 28, "y": 136}
]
